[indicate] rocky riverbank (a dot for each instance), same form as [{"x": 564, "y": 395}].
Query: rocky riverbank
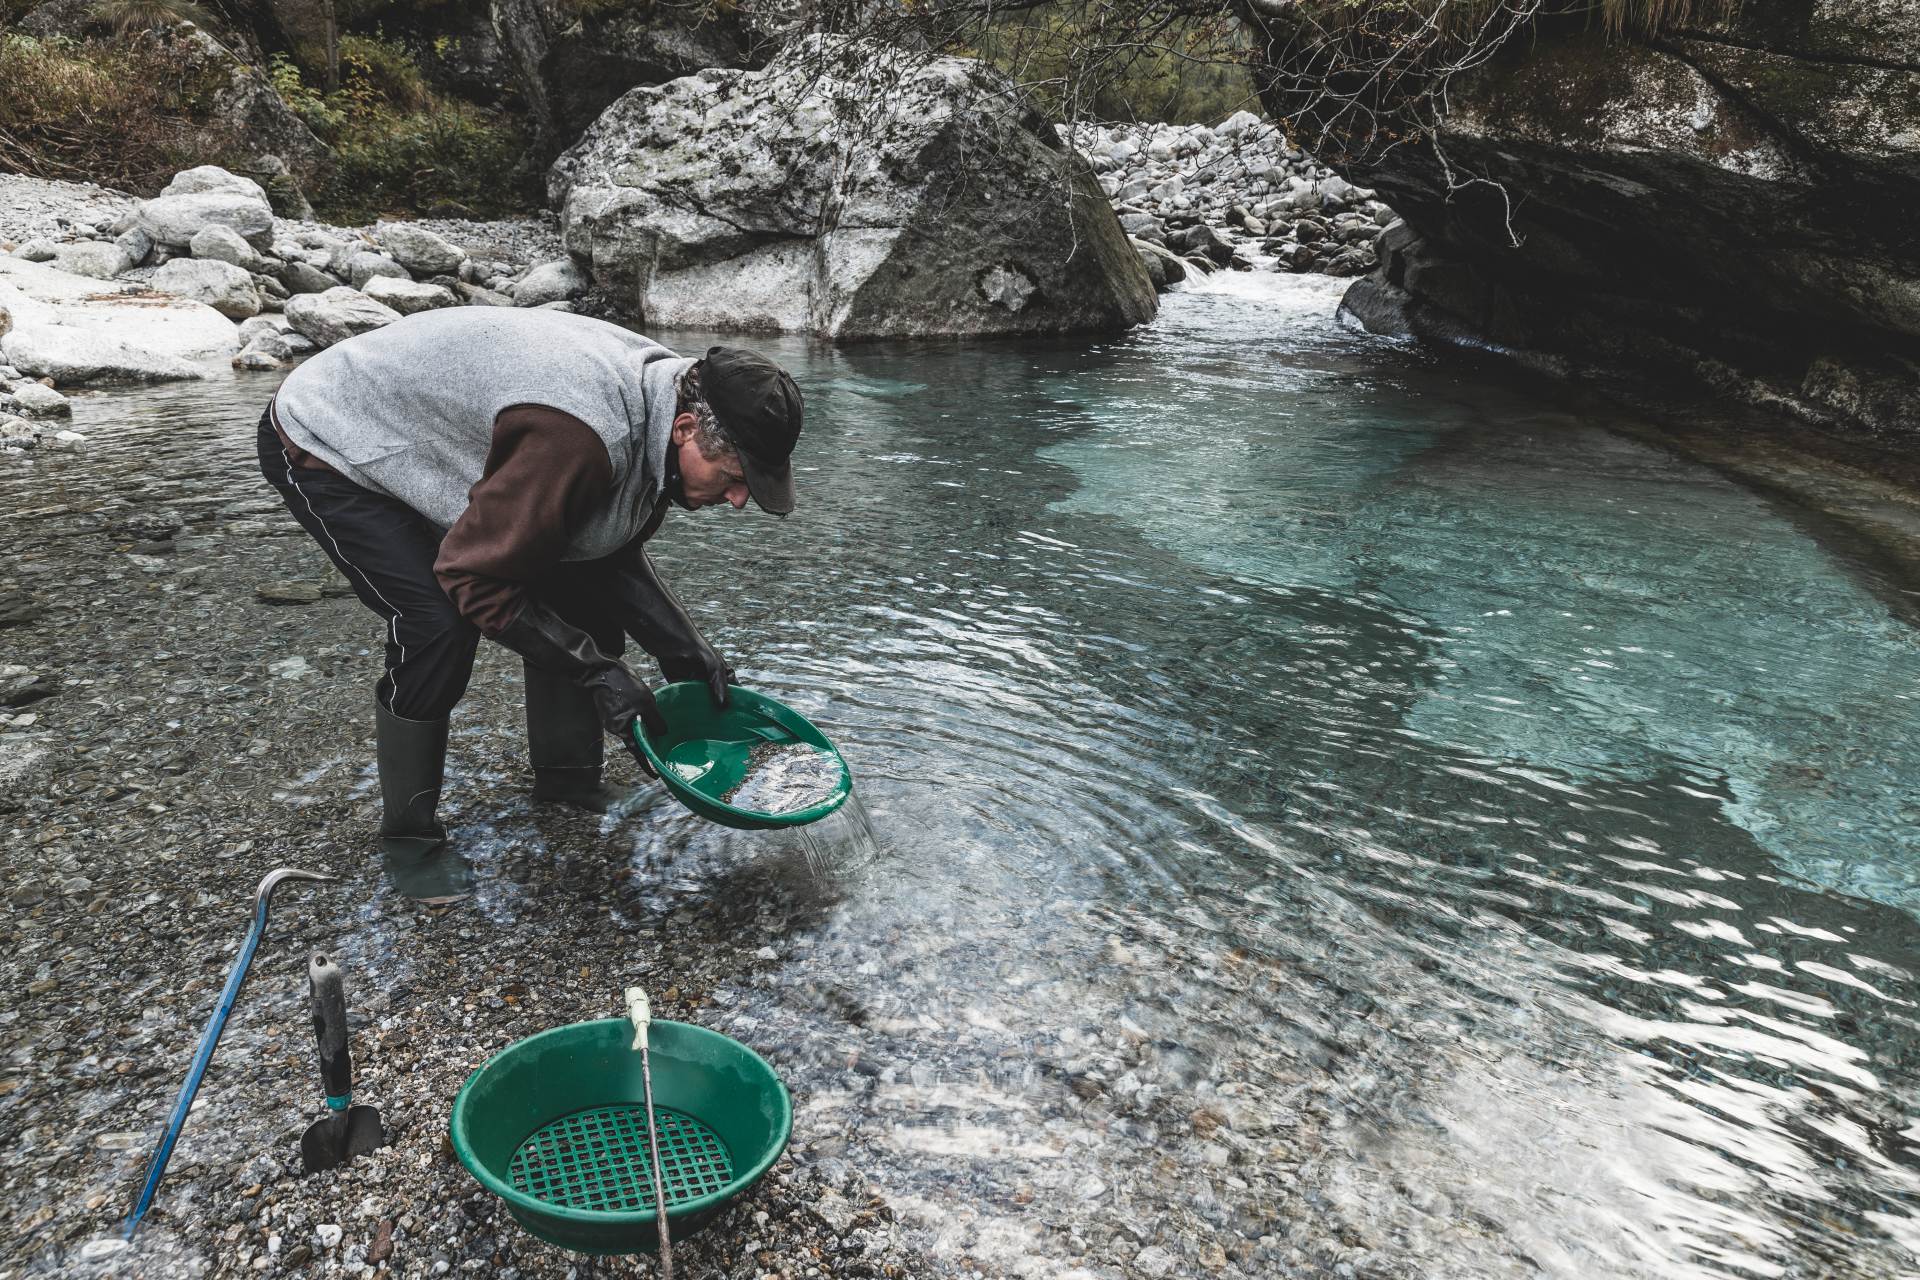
[
  {"x": 98, "y": 287},
  {"x": 1233, "y": 195}
]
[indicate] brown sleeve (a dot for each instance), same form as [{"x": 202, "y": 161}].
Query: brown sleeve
[{"x": 546, "y": 472}]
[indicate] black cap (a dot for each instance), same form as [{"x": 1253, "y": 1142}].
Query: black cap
[{"x": 757, "y": 407}]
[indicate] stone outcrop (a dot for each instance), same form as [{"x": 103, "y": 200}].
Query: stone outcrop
[
  {"x": 77, "y": 330},
  {"x": 336, "y": 315},
  {"x": 1731, "y": 204},
  {"x": 837, "y": 194},
  {"x": 570, "y": 62}
]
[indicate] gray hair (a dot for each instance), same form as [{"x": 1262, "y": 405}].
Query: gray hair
[{"x": 706, "y": 432}]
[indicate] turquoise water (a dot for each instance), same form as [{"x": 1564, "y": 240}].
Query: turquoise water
[{"x": 1505, "y": 825}]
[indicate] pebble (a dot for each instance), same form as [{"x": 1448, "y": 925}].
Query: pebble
[
  {"x": 290, "y": 593},
  {"x": 1152, "y": 1262},
  {"x": 327, "y": 1234}
]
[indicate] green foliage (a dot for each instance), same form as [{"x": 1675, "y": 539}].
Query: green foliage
[
  {"x": 313, "y": 107},
  {"x": 399, "y": 147},
  {"x": 450, "y": 158},
  {"x": 127, "y": 113},
  {"x": 377, "y": 70}
]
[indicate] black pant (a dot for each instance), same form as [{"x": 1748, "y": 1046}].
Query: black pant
[{"x": 386, "y": 549}]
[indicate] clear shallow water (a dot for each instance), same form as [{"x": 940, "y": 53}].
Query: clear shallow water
[{"x": 1324, "y": 808}]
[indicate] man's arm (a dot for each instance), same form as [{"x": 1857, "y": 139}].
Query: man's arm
[
  {"x": 546, "y": 473},
  {"x": 660, "y": 624}
]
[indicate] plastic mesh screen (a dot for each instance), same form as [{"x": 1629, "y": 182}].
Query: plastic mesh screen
[{"x": 598, "y": 1159}]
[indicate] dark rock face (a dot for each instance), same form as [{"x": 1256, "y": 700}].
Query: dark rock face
[
  {"x": 1731, "y": 205},
  {"x": 570, "y": 67}
]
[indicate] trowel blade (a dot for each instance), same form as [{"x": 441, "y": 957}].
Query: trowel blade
[
  {"x": 323, "y": 1145},
  {"x": 364, "y": 1131}
]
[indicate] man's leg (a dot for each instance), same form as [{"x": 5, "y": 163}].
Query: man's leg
[
  {"x": 386, "y": 552},
  {"x": 565, "y": 741}
]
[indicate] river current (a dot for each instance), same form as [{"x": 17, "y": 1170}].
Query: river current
[{"x": 1327, "y": 810}]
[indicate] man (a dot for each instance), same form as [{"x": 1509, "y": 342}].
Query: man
[{"x": 492, "y": 471}]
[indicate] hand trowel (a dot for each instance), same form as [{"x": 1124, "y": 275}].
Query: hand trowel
[{"x": 346, "y": 1130}]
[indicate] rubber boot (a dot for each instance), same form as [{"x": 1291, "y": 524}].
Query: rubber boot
[
  {"x": 566, "y": 744},
  {"x": 412, "y": 757}
]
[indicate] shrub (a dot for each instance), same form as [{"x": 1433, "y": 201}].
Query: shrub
[
  {"x": 448, "y": 158},
  {"x": 129, "y": 114},
  {"x": 400, "y": 148}
]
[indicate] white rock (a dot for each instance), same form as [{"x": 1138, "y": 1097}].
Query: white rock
[
  {"x": 224, "y": 244},
  {"x": 255, "y": 358},
  {"x": 1153, "y": 1262},
  {"x": 70, "y": 356},
  {"x": 211, "y": 177},
  {"x": 901, "y": 248},
  {"x": 336, "y": 315},
  {"x": 419, "y": 250},
  {"x": 272, "y": 345},
  {"x": 42, "y": 249},
  {"x": 174, "y": 220},
  {"x": 36, "y": 401},
  {"x": 408, "y": 296},
  {"x": 77, "y": 330},
  {"x": 74, "y": 440},
  {"x": 365, "y": 265},
  {"x": 96, "y": 259},
  {"x": 221, "y": 285},
  {"x": 138, "y": 246},
  {"x": 550, "y": 282},
  {"x": 327, "y": 1234},
  {"x": 257, "y": 325}
]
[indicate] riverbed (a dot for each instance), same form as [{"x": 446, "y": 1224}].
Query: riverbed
[{"x": 1331, "y": 812}]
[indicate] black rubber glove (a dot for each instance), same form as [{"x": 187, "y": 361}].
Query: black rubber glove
[
  {"x": 543, "y": 638},
  {"x": 659, "y": 623}
]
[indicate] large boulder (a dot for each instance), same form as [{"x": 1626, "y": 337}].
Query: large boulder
[
  {"x": 1729, "y": 203},
  {"x": 75, "y": 329},
  {"x": 174, "y": 220},
  {"x": 221, "y": 285},
  {"x": 845, "y": 195},
  {"x": 336, "y": 315}
]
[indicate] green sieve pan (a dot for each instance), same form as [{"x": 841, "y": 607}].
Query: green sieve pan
[
  {"x": 556, "y": 1125},
  {"x": 703, "y": 754}
]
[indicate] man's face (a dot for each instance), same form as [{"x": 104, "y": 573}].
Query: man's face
[{"x": 704, "y": 480}]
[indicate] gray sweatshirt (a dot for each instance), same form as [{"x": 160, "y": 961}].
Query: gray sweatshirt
[{"x": 409, "y": 410}]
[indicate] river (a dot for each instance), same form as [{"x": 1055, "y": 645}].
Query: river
[{"x": 1329, "y": 809}]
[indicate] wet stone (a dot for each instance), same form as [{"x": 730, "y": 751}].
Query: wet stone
[
  {"x": 16, "y": 611},
  {"x": 288, "y": 592},
  {"x": 23, "y": 690}
]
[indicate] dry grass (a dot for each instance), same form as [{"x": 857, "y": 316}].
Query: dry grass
[{"x": 124, "y": 114}]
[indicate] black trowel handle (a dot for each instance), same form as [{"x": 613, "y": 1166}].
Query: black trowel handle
[{"x": 329, "y": 992}]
